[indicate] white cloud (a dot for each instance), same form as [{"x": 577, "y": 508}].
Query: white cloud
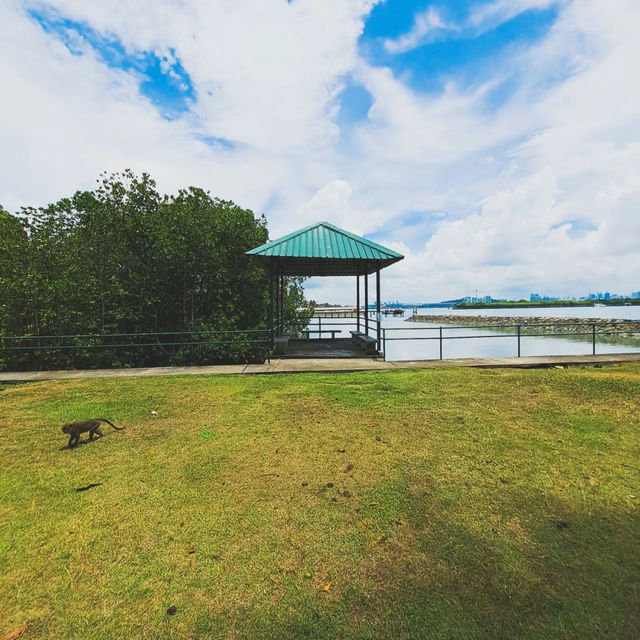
[
  {"x": 516, "y": 181},
  {"x": 429, "y": 25},
  {"x": 489, "y": 16},
  {"x": 508, "y": 184},
  {"x": 426, "y": 24},
  {"x": 332, "y": 203}
]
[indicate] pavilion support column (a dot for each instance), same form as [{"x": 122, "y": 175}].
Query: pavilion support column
[
  {"x": 358, "y": 301},
  {"x": 378, "y": 314},
  {"x": 281, "y": 303},
  {"x": 366, "y": 303},
  {"x": 276, "y": 322},
  {"x": 270, "y": 320}
]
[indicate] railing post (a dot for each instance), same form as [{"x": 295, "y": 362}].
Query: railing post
[
  {"x": 319, "y": 327},
  {"x": 366, "y": 304},
  {"x": 378, "y": 314},
  {"x": 593, "y": 337},
  {"x": 281, "y": 304},
  {"x": 440, "y": 343},
  {"x": 358, "y": 302},
  {"x": 518, "y": 341},
  {"x": 384, "y": 344}
]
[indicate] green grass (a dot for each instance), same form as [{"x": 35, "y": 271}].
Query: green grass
[{"x": 466, "y": 504}]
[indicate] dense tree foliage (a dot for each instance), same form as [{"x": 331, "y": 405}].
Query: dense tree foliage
[{"x": 124, "y": 259}]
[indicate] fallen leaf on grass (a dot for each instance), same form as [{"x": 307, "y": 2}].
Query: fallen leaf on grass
[
  {"x": 12, "y": 635},
  {"x": 326, "y": 587},
  {"x": 192, "y": 550}
]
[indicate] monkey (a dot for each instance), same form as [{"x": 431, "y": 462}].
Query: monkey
[{"x": 92, "y": 426}]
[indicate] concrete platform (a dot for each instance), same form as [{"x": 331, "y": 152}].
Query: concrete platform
[
  {"x": 337, "y": 348},
  {"x": 324, "y": 365}
]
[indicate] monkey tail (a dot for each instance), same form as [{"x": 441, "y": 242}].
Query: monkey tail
[{"x": 110, "y": 423}]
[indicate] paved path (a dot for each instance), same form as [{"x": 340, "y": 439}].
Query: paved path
[{"x": 305, "y": 365}]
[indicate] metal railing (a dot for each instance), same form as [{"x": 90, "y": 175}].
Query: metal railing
[
  {"x": 520, "y": 331},
  {"x": 317, "y": 322},
  {"x": 164, "y": 345}
]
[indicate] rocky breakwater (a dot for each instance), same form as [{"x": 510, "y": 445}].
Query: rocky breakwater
[{"x": 539, "y": 324}]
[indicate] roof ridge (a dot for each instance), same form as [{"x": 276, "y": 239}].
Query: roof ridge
[{"x": 390, "y": 252}]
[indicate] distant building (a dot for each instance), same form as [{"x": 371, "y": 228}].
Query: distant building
[{"x": 635, "y": 294}]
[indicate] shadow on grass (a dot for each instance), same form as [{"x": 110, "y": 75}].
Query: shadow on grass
[
  {"x": 550, "y": 572},
  {"x": 84, "y": 441}
]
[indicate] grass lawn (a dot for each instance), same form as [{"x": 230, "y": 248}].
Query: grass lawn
[{"x": 442, "y": 503}]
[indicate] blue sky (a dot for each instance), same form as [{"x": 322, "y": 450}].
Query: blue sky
[
  {"x": 493, "y": 142},
  {"x": 469, "y": 53},
  {"x": 162, "y": 78}
]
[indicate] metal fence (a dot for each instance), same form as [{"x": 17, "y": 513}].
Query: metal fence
[
  {"x": 166, "y": 346},
  {"x": 517, "y": 332},
  {"x": 252, "y": 345}
]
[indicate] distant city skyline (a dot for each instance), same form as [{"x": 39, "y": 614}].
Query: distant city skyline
[{"x": 533, "y": 297}]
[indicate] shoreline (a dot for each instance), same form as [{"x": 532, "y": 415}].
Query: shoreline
[
  {"x": 616, "y": 302},
  {"x": 545, "y": 324}
]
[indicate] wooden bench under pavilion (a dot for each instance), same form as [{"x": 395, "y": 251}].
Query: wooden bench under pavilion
[{"x": 323, "y": 249}]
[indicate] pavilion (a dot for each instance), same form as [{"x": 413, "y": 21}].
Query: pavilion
[{"x": 323, "y": 249}]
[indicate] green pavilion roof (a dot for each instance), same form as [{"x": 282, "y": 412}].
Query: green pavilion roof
[{"x": 325, "y": 250}]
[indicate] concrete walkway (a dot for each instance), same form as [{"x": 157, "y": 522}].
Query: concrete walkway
[{"x": 306, "y": 365}]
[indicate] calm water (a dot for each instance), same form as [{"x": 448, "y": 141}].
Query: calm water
[{"x": 496, "y": 344}]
